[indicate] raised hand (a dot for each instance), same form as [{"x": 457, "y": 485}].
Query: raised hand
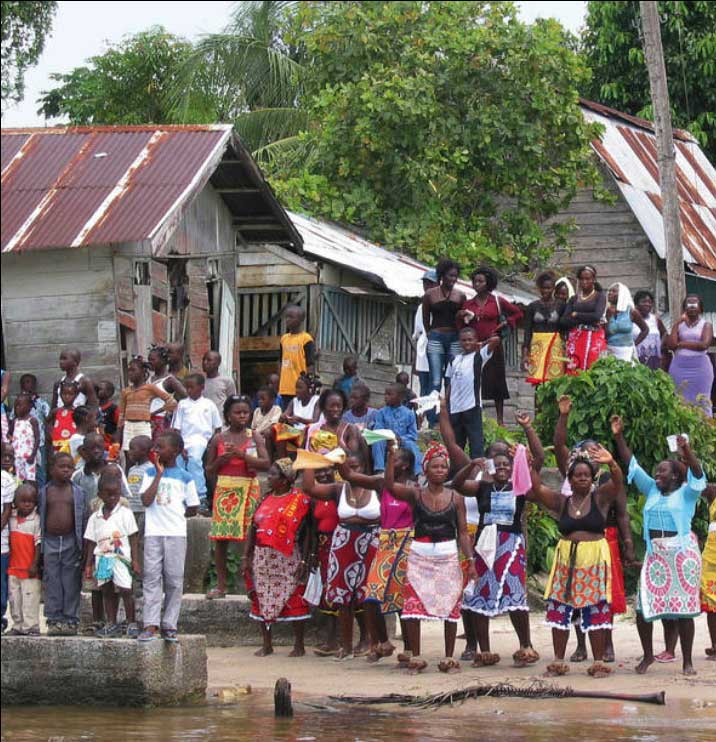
[
  {"x": 523, "y": 419},
  {"x": 617, "y": 425},
  {"x": 565, "y": 404},
  {"x": 600, "y": 455}
]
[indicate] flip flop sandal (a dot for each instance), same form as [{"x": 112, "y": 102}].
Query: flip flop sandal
[
  {"x": 665, "y": 657},
  {"x": 489, "y": 658},
  {"x": 385, "y": 649},
  {"x": 404, "y": 659},
  {"x": 468, "y": 655},
  {"x": 325, "y": 652},
  {"x": 215, "y": 594},
  {"x": 449, "y": 666},
  {"x": 599, "y": 670},
  {"x": 556, "y": 670},
  {"x": 342, "y": 656},
  {"x": 416, "y": 665}
]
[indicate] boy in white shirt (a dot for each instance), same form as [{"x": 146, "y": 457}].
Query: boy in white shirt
[
  {"x": 463, "y": 394},
  {"x": 112, "y": 546},
  {"x": 169, "y": 496},
  {"x": 196, "y": 419}
]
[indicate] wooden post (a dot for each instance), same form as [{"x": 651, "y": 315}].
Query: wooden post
[
  {"x": 282, "y": 698},
  {"x": 666, "y": 155}
]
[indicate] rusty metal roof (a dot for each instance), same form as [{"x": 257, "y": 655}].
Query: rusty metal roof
[
  {"x": 84, "y": 186},
  {"x": 628, "y": 148}
]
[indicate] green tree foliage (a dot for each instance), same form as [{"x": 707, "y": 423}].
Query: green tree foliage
[
  {"x": 439, "y": 128},
  {"x": 25, "y": 25},
  {"x": 128, "y": 84},
  {"x": 613, "y": 50},
  {"x": 651, "y": 408}
]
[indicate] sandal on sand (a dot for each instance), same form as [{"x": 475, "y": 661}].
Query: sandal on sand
[
  {"x": 325, "y": 651},
  {"x": 665, "y": 657},
  {"x": 385, "y": 649},
  {"x": 468, "y": 655},
  {"x": 485, "y": 659},
  {"x": 599, "y": 670},
  {"x": 417, "y": 665},
  {"x": 525, "y": 656},
  {"x": 215, "y": 594},
  {"x": 449, "y": 665},
  {"x": 404, "y": 659},
  {"x": 556, "y": 670}
]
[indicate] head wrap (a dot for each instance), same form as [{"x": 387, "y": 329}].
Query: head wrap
[
  {"x": 285, "y": 466},
  {"x": 570, "y": 289},
  {"x": 430, "y": 275},
  {"x": 579, "y": 456},
  {"x": 624, "y": 300},
  {"x": 435, "y": 450}
]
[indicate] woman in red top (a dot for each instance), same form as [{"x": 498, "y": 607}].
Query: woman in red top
[
  {"x": 490, "y": 315},
  {"x": 233, "y": 458},
  {"x": 276, "y": 557}
]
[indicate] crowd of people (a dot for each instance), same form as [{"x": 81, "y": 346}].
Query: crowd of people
[{"x": 351, "y": 519}]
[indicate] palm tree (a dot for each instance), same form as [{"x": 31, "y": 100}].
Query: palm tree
[{"x": 253, "y": 76}]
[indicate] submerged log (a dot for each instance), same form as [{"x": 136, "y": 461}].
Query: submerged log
[{"x": 282, "y": 698}]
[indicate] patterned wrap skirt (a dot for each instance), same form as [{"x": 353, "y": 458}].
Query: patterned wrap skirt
[
  {"x": 618, "y": 592},
  {"x": 275, "y": 593},
  {"x": 547, "y": 359},
  {"x": 434, "y": 582},
  {"x": 325, "y": 538},
  {"x": 585, "y": 346},
  {"x": 352, "y": 551},
  {"x": 502, "y": 588},
  {"x": 235, "y": 501},
  {"x": 386, "y": 579},
  {"x": 670, "y": 580}
]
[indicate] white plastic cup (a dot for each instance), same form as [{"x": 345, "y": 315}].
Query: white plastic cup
[{"x": 671, "y": 441}]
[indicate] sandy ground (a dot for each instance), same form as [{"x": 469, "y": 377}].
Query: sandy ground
[{"x": 319, "y": 677}]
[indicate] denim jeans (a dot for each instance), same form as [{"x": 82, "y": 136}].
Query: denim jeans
[
  {"x": 442, "y": 348},
  {"x": 468, "y": 427},
  {"x": 424, "y": 379}
]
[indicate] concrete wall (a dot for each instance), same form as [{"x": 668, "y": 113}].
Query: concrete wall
[{"x": 55, "y": 299}]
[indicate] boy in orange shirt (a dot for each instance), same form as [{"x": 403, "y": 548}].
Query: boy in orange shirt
[{"x": 298, "y": 351}]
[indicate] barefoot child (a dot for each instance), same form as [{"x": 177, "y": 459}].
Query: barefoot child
[
  {"x": 63, "y": 517},
  {"x": 169, "y": 496},
  {"x": 24, "y": 432},
  {"x": 24, "y": 569},
  {"x": 112, "y": 547},
  {"x": 233, "y": 458}
]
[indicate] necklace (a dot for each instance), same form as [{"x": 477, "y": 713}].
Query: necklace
[
  {"x": 582, "y": 297},
  {"x": 444, "y": 295},
  {"x": 578, "y": 508}
]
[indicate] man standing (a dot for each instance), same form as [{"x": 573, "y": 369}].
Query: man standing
[{"x": 216, "y": 388}]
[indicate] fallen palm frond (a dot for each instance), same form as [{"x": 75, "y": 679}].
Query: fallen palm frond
[{"x": 537, "y": 689}]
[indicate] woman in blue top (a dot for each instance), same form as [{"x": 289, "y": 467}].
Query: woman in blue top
[
  {"x": 671, "y": 573},
  {"x": 621, "y": 317}
]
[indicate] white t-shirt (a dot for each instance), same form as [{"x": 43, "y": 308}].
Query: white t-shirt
[
  {"x": 465, "y": 391},
  {"x": 9, "y": 485},
  {"x": 421, "y": 341},
  {"x": 112, "y": 532},
  {"x": 176, "y": 492},
  {"x": 305, "y": 411},
  {"x": 196, "y": 420}
]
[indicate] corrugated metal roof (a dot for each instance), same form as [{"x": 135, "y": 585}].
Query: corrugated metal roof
[
  {"x": 628, "y": 148},
  {"x": 83, "y": 186},
  {"x": 397, "y": 273}
]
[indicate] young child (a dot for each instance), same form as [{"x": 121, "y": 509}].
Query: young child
[
  {"x": 350, "y": 376},
  {"x": 60, "y": 422},
  {"x": 139, "y": 464},
  {"x": 463, "y": 395},
  {"x": 108, "y": 417},
  {"x": 273, "y": 381},
  {"x": 297, "y": 353},
  {"x": 112, "y": 547},
  {"x": 169, "y": 496},
  {"x": 70, "y": 359},
  {"x": 358, "y": 412},
  {"x": 398, "y": 418},
  {"x": 40, "y": 411},
  {"x": 63, "y": 518},
  {"x": 85, "y": 419},
  {"x": 196, "y": 420},
  {"x": 9, "y": 485},
  {"x": 266, "y": 414},
  {"x": 403, "y": 378},
  {"x": 24, "y": 568},
  {"x": 24, "y": 433},
  {"x": 135, "y": 412}
]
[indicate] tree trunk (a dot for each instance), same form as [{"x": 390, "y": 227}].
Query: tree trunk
[{"x": 666, "y": 155}]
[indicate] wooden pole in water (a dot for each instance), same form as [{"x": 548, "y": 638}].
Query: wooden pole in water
[{"x": 282, "y": 698}]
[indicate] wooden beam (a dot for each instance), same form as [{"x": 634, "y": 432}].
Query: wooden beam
[
  {"x": 272, "y": 342},
  {"x": 258, "y": 227},
  {"x": 341, "y": 326},
  {"x": 238, "y": 190}
]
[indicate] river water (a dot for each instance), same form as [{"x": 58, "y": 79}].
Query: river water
[{"x": 510, "y": 720}]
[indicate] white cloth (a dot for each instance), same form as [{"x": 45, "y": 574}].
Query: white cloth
[
  {"x": 465, "y": 389},
  {"x": 486, "y": 545},
  {"x": 196, "y": 420},
  {"x": 421, "y": 341},
  {"x": 110, "y": 534},
  {"x": 157, "y": 403},
  {"x": 176, "y": 492},
  {"x": 8, "y": 495},
  {"x": 624, "y": 300},
  {"x": 134, "y": 428},
  {"x": 305, "y": 411},
  {"x": 472, "y": 511}
]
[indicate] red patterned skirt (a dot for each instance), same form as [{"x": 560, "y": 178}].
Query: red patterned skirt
[
  {"x": 584, "y": 347},
  {"x": 275, "y": 593},
  {"x": 352, "y": 551},
  {"x": 618, "y": 593}
]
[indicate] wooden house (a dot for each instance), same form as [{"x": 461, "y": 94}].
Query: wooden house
[
  {"x": 625, "y": 239},
  {"x": 114, "y": 238}
]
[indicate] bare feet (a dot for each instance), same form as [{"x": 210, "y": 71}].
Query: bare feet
[
  {"x": 404, "y": 659},
  {"x": 263, "y": 652},
  {"x": 297, "y": 652},
  {"x": 643, "y": 666},
  {"x": 556, "y": 669},
  {"x": 688, "y": 669},
  {"x": 599, "y": 670},
  {"x": 579, "y": 655},
  {"x": 609, "y": 654}
]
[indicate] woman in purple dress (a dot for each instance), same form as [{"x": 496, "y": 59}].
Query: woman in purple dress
[{"x": 691, "y": 367}]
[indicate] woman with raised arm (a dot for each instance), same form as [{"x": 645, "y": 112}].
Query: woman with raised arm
[
  {"x": 355, "y": 540},
  {"x": 580, "y": 584},
  {"x": 434, "y": 581},
  {"x": 670, "y": 581},
  {"x": 502, "y": 572}
]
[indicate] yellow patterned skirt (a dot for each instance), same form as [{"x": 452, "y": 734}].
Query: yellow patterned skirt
[
  {"x": 547, "y": 357},
  {"x": 235, "y": 501},
  {"x": 386, "y": 578}
]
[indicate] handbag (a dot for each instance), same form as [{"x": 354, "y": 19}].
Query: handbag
[
  {"x": 502, "y": 320},
  {"x": 314, "y": 587}
]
